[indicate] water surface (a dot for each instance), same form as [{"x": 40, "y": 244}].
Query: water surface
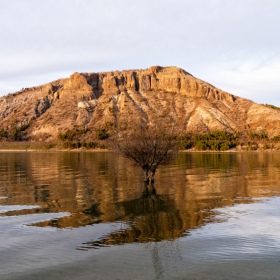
[{"x": 90, "y": 216}]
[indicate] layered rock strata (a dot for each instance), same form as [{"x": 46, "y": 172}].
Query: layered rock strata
[{"x": 118, "y": 98}]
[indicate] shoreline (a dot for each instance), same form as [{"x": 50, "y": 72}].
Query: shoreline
[
  {"x": 97, "y": 150},
  {"x": 255, "y": 147}
]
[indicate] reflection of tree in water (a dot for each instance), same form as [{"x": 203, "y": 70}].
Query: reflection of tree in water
[
  {"x": 101, "y": 188},
  {"x": 151, "y": 218},
  {"x": 166, "y": 257}
]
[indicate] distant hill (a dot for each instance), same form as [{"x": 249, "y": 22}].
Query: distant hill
[{"x": 86, "y": 103}]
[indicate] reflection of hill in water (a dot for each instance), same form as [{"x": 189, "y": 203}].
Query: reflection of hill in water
[
  {"x": 100, "y": 188},
  {"x": 151, "y": 218}
]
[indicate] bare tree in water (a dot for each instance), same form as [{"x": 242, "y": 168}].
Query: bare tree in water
[{"x": 147, "y": 147}]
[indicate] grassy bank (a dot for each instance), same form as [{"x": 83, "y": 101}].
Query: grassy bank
[
  {"x": 212, "y": 141},
  {"x": 29, "y": 146},
  {"x": 245, "y": 146},
  {"x": 41, "y": 146}
]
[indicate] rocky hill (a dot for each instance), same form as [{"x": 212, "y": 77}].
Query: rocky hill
[{"x": 86, "y": 103}]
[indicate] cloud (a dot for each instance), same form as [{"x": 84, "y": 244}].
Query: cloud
[
  {"x": 254, "y": 79},
  {"x": 218, "y": 41}
]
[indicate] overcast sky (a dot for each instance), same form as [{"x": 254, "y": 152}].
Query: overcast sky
[{"x": 232, "y": 44}]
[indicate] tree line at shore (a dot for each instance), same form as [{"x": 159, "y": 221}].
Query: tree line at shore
[{"x": 212, "y": 141}]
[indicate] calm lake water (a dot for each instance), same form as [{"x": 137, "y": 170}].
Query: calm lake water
[{"x": 89, "y": 216}]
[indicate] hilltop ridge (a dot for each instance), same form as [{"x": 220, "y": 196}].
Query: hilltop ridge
[{"x": 90, "y": 101}]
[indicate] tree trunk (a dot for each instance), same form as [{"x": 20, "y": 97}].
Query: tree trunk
[
  {"x": 149, "y": 190},
  {"x": 146, "y": 176},
  {"x": 149, "y": 176},
  {"x": 153, "y": 176}
]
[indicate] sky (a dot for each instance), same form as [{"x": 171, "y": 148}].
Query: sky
[{"x": 231, "y": 44}]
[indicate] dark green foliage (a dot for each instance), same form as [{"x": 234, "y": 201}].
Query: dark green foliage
[
  {"x": 218, "y": 140},
  {"x": 102, "y": 134},
  {"x": 214, "y": 145},
  {"x": 272, "y": 107},
  {"x": 50, "y": 146},
  {"x": 265, "y": 147},
  {"x": 224, "y": 146},
  {"x": 91, "y": 145},
  {"x": 112, "y": 110},
  {"x": 103, "y": 131},
  {"x": 217, "y": 135},
  {"x": 260, "y": 136},
  {"x": 201, "y": 146},
  {"x": 3, "y": 133},
  {"x": 70, "y": 135},
  {"x": 77, "y": 145},
  {"x": 276, "y": 138},
  {"x": 185, "y": 145},
  {"x": 15, "y": 135}
]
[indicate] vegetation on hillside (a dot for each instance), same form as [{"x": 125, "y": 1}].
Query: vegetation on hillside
[
  {"x": 272, "y": 107},
  {"x": 70, "y": 135},
  {"x": 84, "y": 138}
]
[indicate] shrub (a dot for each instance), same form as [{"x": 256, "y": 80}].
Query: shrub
[
  {"x": 66, "y": 145},
  {"x": 272, "y": 107},
  {"x": 265, "y": 147},
  {"x": 184, "y": 145},
  {"x": 3, "y": 133},
  {"x": 276, "y": 138},
  {"x": 254, "y": 135},
  {"x": 71, "y": 134},
  {"x": 102, "y": 134},
  {"x": 15, "y": 135},
  {"x": 201, "y": 146},
  {"x": 224, "y": 147},
  {"x": 112, "y": 110},
  {"x": 77, "y": 145},
  {"x": 91, "y": 145},
  {"x": 217, "y": 135}
]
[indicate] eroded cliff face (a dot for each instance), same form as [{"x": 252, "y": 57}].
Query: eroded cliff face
[{"x": 94, "y": 100}]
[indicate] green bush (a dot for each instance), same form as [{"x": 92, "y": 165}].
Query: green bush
[
  {"x": 102, "y": 134},
  {"x": 214, "y": 145},
  {"x": 224, "y": 147},
  {"x": 71, "y": 134},
  {"x": 66, "y": 145},
  {"x": 201, "y": 146},
  {"x": 185, "y": 145},
  {"x": 77, "y": 145},
  {"x": 265, "y": 147},
  {"x": 254, "y": 135},
  {"x": 276, "y": 138},
  {"x": 3, "y": 133},
  {"x": 15, "y": 135},
  {"x": 272, "y": 107},
  {"x": 50, "y": 146},
  {"x": 217, "y": 135},
  {"x": 91, "y": 145}
]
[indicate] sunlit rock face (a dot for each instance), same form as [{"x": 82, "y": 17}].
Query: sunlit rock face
[{"x": 93, "y": 100}]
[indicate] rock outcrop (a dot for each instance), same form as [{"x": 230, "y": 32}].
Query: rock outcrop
[{"x": 114, "y": 99}]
